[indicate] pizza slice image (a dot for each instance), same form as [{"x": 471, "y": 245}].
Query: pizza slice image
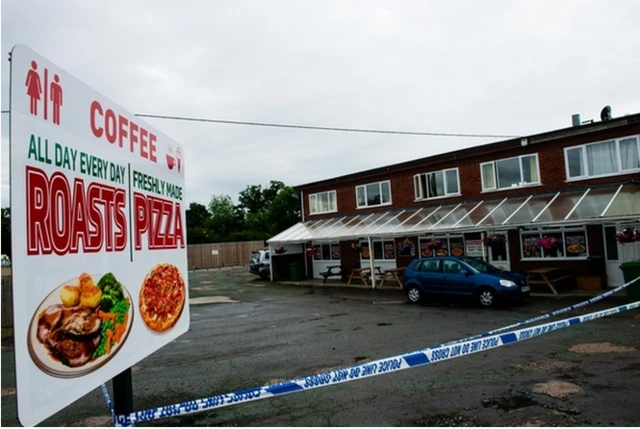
[{"x": 162, "y": 297}]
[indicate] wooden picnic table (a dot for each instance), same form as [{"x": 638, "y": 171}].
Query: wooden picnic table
[
  {"x": 362, "y": 274},
  {"x": 541, "y": 276},
  {"x": 393, "y": 273}
]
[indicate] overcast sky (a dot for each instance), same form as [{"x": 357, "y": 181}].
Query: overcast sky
[{"x": 485, "y": 67}]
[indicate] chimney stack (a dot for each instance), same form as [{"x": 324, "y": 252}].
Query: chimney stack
[{"x": 576, "y": 120}]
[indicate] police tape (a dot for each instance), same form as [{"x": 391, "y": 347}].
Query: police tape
[
  {"x": 105, "y": 392},
  {"x": 361, "y": 371},
  {"x": 543, "y": 316}
]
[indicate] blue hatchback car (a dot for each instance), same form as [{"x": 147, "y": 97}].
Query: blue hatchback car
[{"x": 464, "y": 277}]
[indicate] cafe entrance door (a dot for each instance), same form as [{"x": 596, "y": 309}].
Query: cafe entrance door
[
  {"x": 498, "y": 253},
  {"x": 617, "y": 253}
]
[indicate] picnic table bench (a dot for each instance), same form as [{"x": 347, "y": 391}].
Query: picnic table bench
[
  {"x": 330, "y": 272},
  {"x": 541, "y": 276}
]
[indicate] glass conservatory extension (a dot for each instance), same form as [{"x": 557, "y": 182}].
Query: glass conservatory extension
[{"x": 566, "y": 208}]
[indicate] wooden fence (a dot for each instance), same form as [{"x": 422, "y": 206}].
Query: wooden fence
[{"x": 216, "y": 255}]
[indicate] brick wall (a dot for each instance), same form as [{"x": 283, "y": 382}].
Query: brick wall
[{"x": 550, "y": 160}]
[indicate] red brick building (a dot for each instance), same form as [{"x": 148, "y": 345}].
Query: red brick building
[{"x": 553, "y": 200}]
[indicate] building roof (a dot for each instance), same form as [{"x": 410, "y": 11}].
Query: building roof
[
  {"x": 546, "y": 137},
  {"x": 562, "y": 208}
]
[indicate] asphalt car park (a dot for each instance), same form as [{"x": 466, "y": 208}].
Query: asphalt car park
[{"x": 247, "y": 333}]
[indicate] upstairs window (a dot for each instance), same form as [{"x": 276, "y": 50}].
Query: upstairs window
[
  {"x": 438, "y": 184},
  {"x": 617, "y": 156},
  {"x": 373, "y": 194},
  {"x": 510, "y": 173},
  {"x": 323, "y": 202}
]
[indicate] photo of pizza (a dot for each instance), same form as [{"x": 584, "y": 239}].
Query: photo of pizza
[
  {"x": 162, "y": 297},
  {"x": 456, "y": 251},
  {"x": 576, "y": 248},
  {"x": 80, "y": 325}
]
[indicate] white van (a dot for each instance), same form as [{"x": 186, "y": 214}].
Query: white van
[{"x": 259, "y": 263}]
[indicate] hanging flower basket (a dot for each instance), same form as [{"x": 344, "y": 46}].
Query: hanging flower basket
[
  {"x": 310, "y": 251},
  {"x": 549, "y": 243},
  {"x": 492, "y": 239},
  {"x": 355, "y": 247},
  {"x": 280, "y": 250},
  {"x": 434, "y": 244},
  {"x": 628, "y": 235}
]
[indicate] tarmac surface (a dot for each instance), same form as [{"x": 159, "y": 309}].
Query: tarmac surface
[{"x": 247, "y": 333}]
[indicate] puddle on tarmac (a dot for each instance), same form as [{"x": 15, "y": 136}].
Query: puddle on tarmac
[
  {"x": 446, "y": 420},
  {"x": 211, "y": 300},
  {"x": 513, "y": 402}
]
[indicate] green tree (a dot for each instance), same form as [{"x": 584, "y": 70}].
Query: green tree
[
  {"x": 6, "y": 231},
  {"x": 198, "y": 224},
  {"x": 226, "y": 218}
]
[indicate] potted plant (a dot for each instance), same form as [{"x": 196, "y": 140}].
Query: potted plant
[
  {"x": 309, "y": 250},
  {"x": 549, "y": 243},
  {"x": 628, "y": 235},
  {"x": 494, "y": 239},
  {"x": 280, "y": 249},
  {"x": 434, "y": 244}
]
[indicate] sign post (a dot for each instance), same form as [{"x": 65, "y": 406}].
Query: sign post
[{"x": 99, "y": 252}]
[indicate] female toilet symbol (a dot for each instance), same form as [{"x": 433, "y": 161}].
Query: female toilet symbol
[{"x": 34, "y": 88}]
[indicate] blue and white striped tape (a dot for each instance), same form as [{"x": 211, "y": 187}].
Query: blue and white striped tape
[
  {"x": 105, "y": 392},
  {"x": 364, "y": 370},
  {"x": 544, "y": 316}
]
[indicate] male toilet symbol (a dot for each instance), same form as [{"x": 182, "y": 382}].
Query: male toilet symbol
[
  {"x": 56, "y": 99},
  {"x": 52, "y": 93}
]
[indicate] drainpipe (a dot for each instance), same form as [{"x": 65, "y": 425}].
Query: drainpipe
[
  {"x": 270, "y": 262},
  {"x": 302, "y": 205},
  {"x": 371, "y": 264},
  {"x": 484, "y": 248}
]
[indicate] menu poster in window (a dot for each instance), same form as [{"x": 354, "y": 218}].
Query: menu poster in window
[
  {"x": 425, "y": 250},
  {"x": 473, "y": 248},
  {"x": 457, "y": 246},
  {"x": 575, "y": 243},
  {"x": 389, "y": 250},
  {"x": 365, "y": 250},
  {"x": 530, "y": 246},
  {"x": 443, "y": 250},
  {"x": 335, "y": 251},
  {"x": 406, "y": 247}
]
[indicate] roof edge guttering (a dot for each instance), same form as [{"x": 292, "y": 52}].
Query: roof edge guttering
[{"x": 484, "y": 149}]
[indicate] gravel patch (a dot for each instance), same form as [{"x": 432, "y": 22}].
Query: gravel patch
[
  {"x": 557, "y": 389},
  {"x": 595, "y": 348}
]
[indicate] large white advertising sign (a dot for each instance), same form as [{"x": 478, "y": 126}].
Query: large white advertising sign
[{"x": 98, "y": 232}]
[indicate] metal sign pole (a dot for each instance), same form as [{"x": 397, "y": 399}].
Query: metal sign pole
[{"x": 123, "y": 393}]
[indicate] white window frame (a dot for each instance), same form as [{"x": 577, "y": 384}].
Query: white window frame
[
  {"x": 371, "y": 251},
  {"x": 495, "y": 173},
  {"x": 563, "y": 232},
  {"x": 313, "y": 206},
  {"x": 585, "y": 161},
  {"x": 365, "y": 206},
  {"x": 420, "y": 194}
]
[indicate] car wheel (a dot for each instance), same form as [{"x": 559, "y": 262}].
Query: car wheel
[
  {"x": 414, "y": 294},
  {"x": 487, "y": 297},
  {"x": 264, "y": 276}
]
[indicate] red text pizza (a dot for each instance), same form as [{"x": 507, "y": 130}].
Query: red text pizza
[{"x": 162, "y": 297}]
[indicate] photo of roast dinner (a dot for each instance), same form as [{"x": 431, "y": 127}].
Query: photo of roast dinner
[{"x": 85, "y": 325}]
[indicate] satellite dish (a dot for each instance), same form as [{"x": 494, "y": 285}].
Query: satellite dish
[{"x": 605, "y": 114}]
